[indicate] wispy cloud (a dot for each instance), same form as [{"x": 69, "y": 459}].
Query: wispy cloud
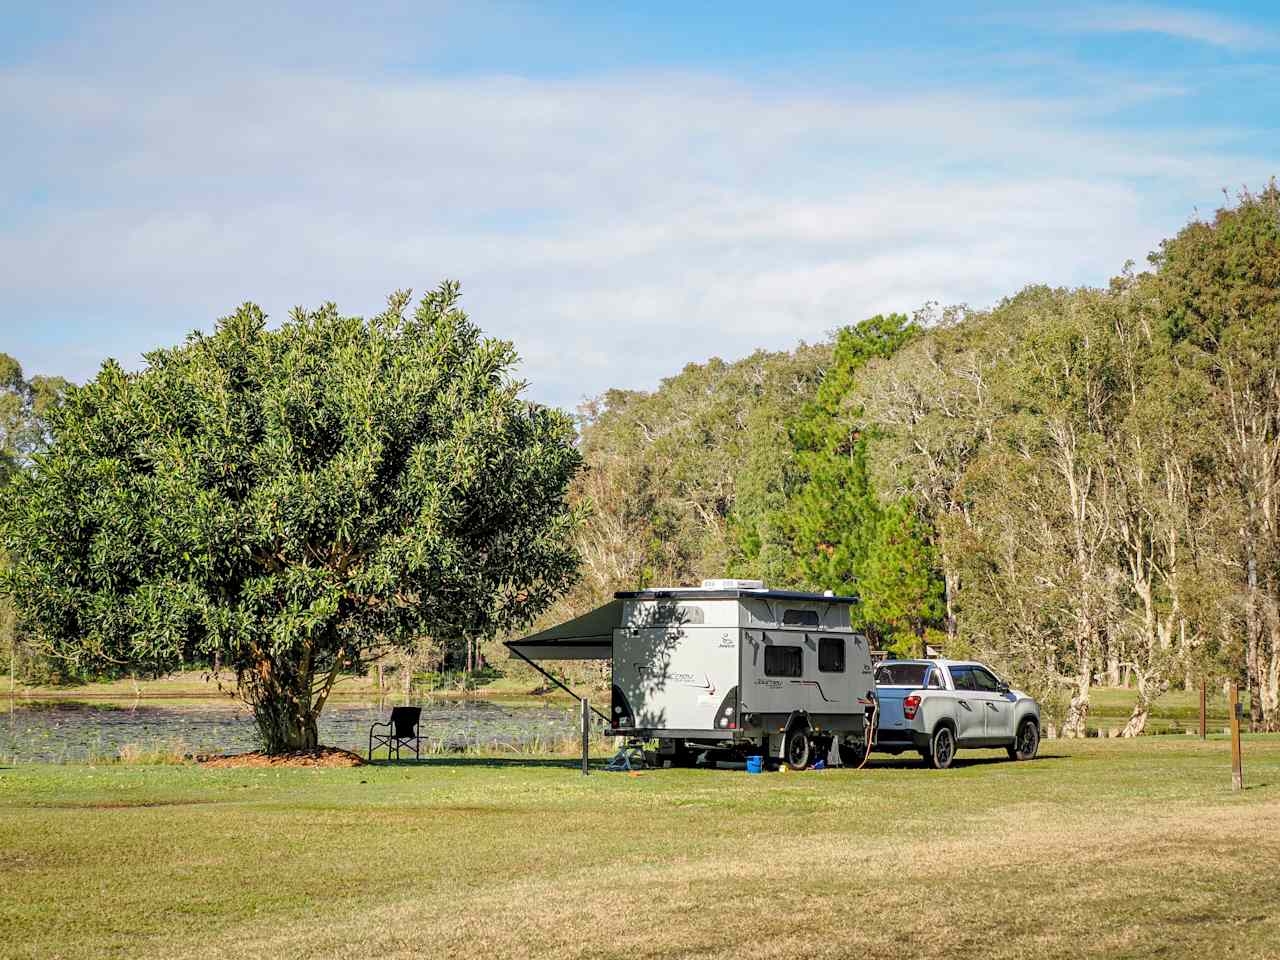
[{"x": 1194, "y": 25}]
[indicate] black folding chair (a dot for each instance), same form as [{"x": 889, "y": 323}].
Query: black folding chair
[{"x": 402, "y": 729}]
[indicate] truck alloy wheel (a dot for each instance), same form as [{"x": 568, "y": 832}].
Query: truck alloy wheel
[
  {"x": 797, "y": 751},
  {"x": 1027, "y": 742},
  {"x": 942, "y": 749}
]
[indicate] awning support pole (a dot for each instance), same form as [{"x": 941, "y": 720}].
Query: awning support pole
[{"x": 556, "y": 682}]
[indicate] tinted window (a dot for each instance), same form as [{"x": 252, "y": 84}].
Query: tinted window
[
  {"x": 985, "y": 680},
  {"x": 780, "y": 661},
  {"x": 935, "y": 680},
  {"x": 962, "y": 677},
  {"x": 831, "y": 655},
  {"x": 901, "y": 674},
  {"x": 800, "y": 618}
]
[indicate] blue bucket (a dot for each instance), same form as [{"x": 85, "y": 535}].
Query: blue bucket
[{"x": 755, "y": 764}]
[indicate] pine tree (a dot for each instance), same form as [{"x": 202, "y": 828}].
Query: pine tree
[
  {"x": 832, "y": 516},
  {"x": 901, "y": 588}
]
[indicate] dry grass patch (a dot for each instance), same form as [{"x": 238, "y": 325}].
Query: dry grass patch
[{"x": 1103, "y": 848}]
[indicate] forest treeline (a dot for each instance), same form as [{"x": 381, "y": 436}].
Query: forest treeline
[{"x": 1077, "y": 486}]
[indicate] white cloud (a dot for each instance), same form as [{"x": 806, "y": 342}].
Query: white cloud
[
  {"x": 1192, "y": 25},
  {"x": 615, "y": 229}
]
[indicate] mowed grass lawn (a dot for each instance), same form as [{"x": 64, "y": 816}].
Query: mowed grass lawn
[{"x": 1098, "y": 848}]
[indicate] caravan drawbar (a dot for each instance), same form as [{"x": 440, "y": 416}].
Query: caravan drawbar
[{"x": 729, "y": 667}]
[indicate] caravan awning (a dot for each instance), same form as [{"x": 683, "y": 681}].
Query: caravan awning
[{"x": 588, "y": 637}]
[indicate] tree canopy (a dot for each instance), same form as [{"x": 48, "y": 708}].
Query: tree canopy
[{"x": 295, "y": 500}]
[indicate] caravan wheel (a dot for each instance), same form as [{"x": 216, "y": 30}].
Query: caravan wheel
[{"x": 798, "y": 750}]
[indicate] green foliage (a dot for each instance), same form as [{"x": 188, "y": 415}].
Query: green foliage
[
  {"x": 901, "y": 591},
  {"x": 296, "y": 501},
  {"x": 832, "y": 515},
  {"x": 24, "y": 408}
]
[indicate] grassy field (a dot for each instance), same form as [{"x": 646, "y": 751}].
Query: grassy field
[{"x": 1100, "y": 847}]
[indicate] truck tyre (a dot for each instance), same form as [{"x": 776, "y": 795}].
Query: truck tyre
[
  {"x": 797, "y": 751},
  {"x": 942, "y": 748},
  {"x": 1027, "y": 742}
]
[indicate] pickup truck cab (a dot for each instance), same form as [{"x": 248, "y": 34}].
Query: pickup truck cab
[{"x": 939, "y": 706}]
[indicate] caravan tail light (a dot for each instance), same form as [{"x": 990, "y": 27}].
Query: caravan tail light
[{"x": 910, "y": 705}]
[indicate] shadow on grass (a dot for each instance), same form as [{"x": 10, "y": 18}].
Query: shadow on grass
[
  {"x": 514, "y": 762},
  {"x": 914, "y": 762}
]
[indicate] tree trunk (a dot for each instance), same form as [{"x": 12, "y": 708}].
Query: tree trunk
[
  {"x": 1271, "y": 686},
  {"x": 1253, "y": 650},
  {"x": 1148, "y": 694},
  {"x": 285, "y": 705},
  {"x": 283, "y": 729},
  {"x": 1138, "y": 717},
  {"x": 949, "y": 584},
  {"x": 1078, "y": 709}
]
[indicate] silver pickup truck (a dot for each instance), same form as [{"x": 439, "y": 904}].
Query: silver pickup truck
[{"x": 938, "y": 706}]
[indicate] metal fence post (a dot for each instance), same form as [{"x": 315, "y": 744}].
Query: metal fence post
[{"x": 586, "y": 734}]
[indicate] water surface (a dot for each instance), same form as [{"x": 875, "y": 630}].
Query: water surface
[{"x": 73, "y": 732}]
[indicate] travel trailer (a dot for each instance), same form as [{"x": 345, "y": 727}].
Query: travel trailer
[{"x": 730, "y": 668}]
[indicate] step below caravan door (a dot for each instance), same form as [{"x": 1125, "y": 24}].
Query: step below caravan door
[{"x": 682, "y": 678}]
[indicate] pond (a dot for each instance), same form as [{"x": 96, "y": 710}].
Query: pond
[{"x": 73, "y": 732}]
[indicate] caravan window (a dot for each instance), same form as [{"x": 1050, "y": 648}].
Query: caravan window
[
  {"x": 800, "y": 618},
  {"x": 780, "y": 661},
  {"x": 831, "y": 655},
  {"x": 671, "y": 615}
]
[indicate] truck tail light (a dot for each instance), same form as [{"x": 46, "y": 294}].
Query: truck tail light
[{"x": 909, "y": 706}]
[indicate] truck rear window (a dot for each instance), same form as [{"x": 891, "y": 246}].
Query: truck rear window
[
  {"x": 780, "y": 661},
  {"x": 901, "y": 674}
]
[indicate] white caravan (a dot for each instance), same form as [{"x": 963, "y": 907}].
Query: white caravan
[{"x": 730, "y": 666}]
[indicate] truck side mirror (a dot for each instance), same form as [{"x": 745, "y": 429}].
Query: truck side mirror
[{"x": 1003, "y": 687}]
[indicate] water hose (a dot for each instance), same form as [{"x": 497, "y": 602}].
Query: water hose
[{"x": 871, "y": 731}]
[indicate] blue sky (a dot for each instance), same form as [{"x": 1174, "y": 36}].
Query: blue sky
[{"x": 620, "y": 190}]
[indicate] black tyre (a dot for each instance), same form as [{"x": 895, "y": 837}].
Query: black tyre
[
  {"x": 942, "y": 748},
  {"x": 797, "y": 751},
  {"x": 1027, "y": 742}
]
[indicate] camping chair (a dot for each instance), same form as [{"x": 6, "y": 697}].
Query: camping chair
[{"x": 403, "y": 729}]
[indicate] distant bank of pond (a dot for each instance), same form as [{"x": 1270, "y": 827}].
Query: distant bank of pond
[{"x": 57, "y": 731}]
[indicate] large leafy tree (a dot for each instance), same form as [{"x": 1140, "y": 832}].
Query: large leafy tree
[{"x": 296, "y": 500}]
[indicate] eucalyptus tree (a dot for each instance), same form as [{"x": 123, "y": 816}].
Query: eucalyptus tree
[
  {"x": 297, "y": 501},
  {"x": 1216, "y": 296},
  {"x": 25, "y": 404}
]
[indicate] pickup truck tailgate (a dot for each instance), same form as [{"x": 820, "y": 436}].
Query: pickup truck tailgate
[{"x": 891, "y": 720}]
